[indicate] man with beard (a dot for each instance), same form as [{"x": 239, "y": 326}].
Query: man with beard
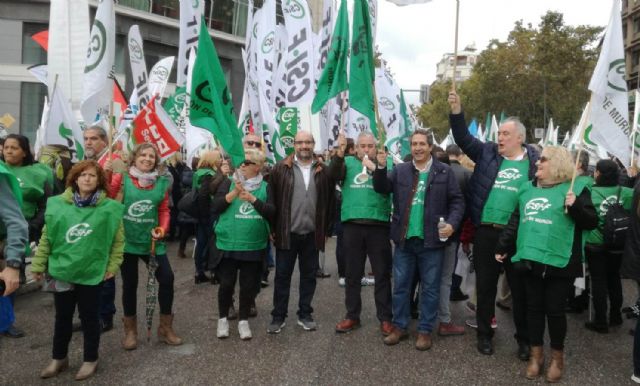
[{"x": 303, "y": 194}]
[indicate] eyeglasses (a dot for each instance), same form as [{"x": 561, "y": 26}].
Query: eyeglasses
[
  {"x": 253, "y": 143},
  {"x": 543, "y": 159},
  {"x": 303, "y": 142},
  {"x": 247, "y": 163}
]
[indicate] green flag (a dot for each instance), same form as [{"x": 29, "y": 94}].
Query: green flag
[
  {"x": 361, "y": 70},
  {"x": 333, "y": 79},
  {"x": 173, "y": 105},
  {"x": 211, "y": 106}
]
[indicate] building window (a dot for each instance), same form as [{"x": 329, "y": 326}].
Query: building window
[
  {"x": 31, "y": 105},
  {"x": 32, "y": 53},
  {"x": 636, "y": 25},
  {"x": 624, "y": 31},
  {"x": 635, "y": 58}
]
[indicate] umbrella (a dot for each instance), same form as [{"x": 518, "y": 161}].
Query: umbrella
[{"x": 152, "y": 288}]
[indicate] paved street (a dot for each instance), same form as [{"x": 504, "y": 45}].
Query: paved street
[{"x": 297, "y": 357}]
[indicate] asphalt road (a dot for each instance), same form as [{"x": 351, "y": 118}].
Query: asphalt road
[{"x": 297, "y": 357}]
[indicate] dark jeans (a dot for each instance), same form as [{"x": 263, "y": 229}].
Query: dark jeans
[
  {"x": 546, "y": 302},
  {"x": 340, "y": 258},
  {"x": 186, "y": 230},
  {"x": 487, "y": 274},
  {"x": 604, "y": 267},
  {"x": 87, "y": 298},
  {"x": 204, "y": 231},
  {"x": 164, "y": 274},
  {"x": 108, "y": 300},
  {"x": 636, "y": 349},
  {"x": 227, "y": 272},
  {"x": 372, "y": 241},
  {"x": 303, "y": 248}
]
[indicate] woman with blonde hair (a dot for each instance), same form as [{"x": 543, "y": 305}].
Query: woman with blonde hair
[
  {"x": 547, "y": 230},
  {"x": 145, "y": 195}
]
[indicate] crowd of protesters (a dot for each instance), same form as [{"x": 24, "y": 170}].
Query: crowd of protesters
[{"x": 508, "y": 206}]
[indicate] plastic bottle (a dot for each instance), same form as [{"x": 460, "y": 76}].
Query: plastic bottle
[{"x": 442, "y": 224}]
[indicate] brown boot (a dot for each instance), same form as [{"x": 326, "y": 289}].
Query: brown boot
[
  {"x": 536, "y": 362},
  {"x": 130, "y": 341},
  {"x": 423, "y": 343},
  {"x": 166, "y": 333},
  {"x": 55, "y": 367},
  {"x": 554, "y": 372},
  {"x": 395, "y": 337}
]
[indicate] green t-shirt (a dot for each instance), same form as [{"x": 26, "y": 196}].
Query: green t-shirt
[
  {"x": 359, "y": 200},
  {"x": 416, "y": 216},
  {"x": 503, "y": 197},
  {"x": 601, "y": 196},
  {"x": 141, "y": 216},
  {"x": 32, "y": 180}
]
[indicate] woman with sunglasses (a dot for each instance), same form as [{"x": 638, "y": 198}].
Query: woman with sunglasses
[
  {"x": 547, "y": 230},
  {"x": 242, "y": 234}
]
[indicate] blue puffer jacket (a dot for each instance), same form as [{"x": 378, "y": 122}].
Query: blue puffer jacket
[
  {"x": 487, "y": 160},
  {"x": 442, "y": 199}
]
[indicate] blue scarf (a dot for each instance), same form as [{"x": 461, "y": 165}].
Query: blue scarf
[{"x": 83, "y": 202}]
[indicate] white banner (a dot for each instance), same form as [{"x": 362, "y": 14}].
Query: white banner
[
  {"x": 609, "y": 103},
  {"x": 402, "y": 3},
  {"x": 68, "y": 40},
  {"x": 265, "y": 49},
  {"x": 322, "y": 40},
  {"x": 300, "y": 57},
  {"x": 190, "y": 16},
  {"x": 97, "y": 83},
  {"x": 138, "y": 66},
  {"x": 388, "y": 94},
  {"x": 280, "y": 87},
  {"x": 62, "y": 127},
  {"x": 39, "y": 72},
  {"x": 159, "y": 76},
  {"x": 373, "y": 16}
]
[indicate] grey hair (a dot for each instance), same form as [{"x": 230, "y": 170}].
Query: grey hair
[
  {"x": 366, "y": 134},
  {"x": 519, "y": 126},
  {"x": 102, "y": 133}
]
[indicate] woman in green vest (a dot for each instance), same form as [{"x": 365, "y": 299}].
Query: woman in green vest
[
  {"x": 548, "y": 229},
  {"x": 604, "y": 263},
  {"x": 81, "y": 246},
  {"x": 145, "y": 195},
  {"x": 242, "y": 234},
  {"x": 36, "y": 181}
]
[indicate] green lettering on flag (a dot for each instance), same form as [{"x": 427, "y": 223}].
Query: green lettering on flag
[
  {"x": 361, "y": 70},
  {"x": 288, "y": 120},
  {"x": 211, "y": 106},
  {"x": 333, "y": 79}
]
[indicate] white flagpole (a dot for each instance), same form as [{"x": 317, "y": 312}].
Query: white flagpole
[{"x": 455, "y": 49}]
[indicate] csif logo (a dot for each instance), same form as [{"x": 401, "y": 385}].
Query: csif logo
[
  {"x": 77, "y": 232},
  {"x": 536, "y": 206},
  {"x": 615, "y": 77},
  {"x": 161, "y": 72},
  {"x": 606, "y": 203},
  {"x": 507, "y": 175},
  {"x": 294, "y": 9},
  {"x": 288, "y": 114},
  {"x": 268, "y": 43},
  {"x": 140, "y": 208},
  {"x": 135, "y": 49},
  {"x": 97, "y": 46},
  {"x": 387, "y": 104},
  {"x": 246, "y": 209}
]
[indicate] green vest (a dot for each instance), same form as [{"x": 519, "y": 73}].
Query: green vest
[
  {"x": 15, "y": 188},
  {"x": 416, "y": 216},
  {"x": 601, "y": 196},
  {"x": 240, "y": 227},
  {"x": 503, "y": 196},
  {"x": 359, "y": 200},
  {"x": 545, "y": 232},
  {"x": 141, "y": 216},
  {"x": 32, "y": 180},
  {"x": 199, "y": 175},
  {"x": 81, "y": 239}
]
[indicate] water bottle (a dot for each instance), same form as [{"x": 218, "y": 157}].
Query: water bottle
[{"x": 442, "y": 224}]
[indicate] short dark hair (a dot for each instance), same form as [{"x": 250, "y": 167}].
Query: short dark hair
[
  {"x": 76, "y": 171},
  {"x": 351, "y": 145},
  {"x": 102, "y": 133},
  {"x": 422, "y": 132},
  {"x": 454, "y": 150},
  {"x": 23, "y": 142},
  {"x": 608, "y": 173}
]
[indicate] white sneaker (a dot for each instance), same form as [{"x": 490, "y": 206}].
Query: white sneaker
[
  {"x": 365, "y": 281},
  {"x": 223, "y": 328},
  {"x": 342, "y": 282},
  {"x": 635, "y": 378},
  {"x": 244, "y": 330}
]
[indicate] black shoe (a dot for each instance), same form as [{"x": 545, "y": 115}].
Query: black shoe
[
  {"x": 201, "y": 278},
  {"x": 458, "y": 296},
  {"x": 523, "y": 351},
  {"x": 13, "y": 332},
  {"x": 615, "y": 319},
  {"x": 485, "y": 346},
  {"x": 106, "y": 325},
  {"x": 599, "y": 328},
  {"x": 322, "y": 275}
]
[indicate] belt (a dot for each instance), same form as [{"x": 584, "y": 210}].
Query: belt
[{"x": 492, "y": 225}]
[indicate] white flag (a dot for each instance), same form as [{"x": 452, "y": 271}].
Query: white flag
[
  {"x": 551, "y": 138},
  {"x": 492, "y": 132},
  {"x": 40, "y": 132},
  {"x": 265, "y": 48},
  {"x": 138, "y": 66},
  {"x": 373, "y": 17},
  {"x": 190, "y": 17},
  {"x": 280, "y": 87},
  {"x": 322, "y": 41},
  {"x": 97, "y": 83},
  {"x": 609, "y": 107},
  {"x": 159, "y": 76},
  {"x": 62, "y": 128},
  {"x": 39, "y": 71},
  {"x": 388, "y": 94},
  {"x": 635, "y": 132},
  {"x": 300, "y": 65},
  {"x": 68, "y": 39},
  {"x": 408, "y": 2}
]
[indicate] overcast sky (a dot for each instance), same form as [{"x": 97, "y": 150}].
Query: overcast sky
[{"x": 414, "y": 38}]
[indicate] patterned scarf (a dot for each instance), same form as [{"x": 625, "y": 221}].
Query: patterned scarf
[
  {"x": 92, "y": 200},
  {"x": 144, "y": 179}
]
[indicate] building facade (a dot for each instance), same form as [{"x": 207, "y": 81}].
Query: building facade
[{"x": 465, "y": 61}]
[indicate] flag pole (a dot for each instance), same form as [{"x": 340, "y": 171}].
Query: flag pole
[
  {"x": 382, "y": 135},
  {"x": 636, "y": 112},
  {"x": 110, "y": 136},
  {"x": 581, "y": 129},
  {"x": 455, "y": 49}
]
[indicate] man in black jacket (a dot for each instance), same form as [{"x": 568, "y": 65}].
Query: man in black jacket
[{"x": 492, "y": 194}]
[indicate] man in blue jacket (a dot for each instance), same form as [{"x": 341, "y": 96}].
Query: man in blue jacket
[
  {"x": 492, "y": 195},
  {"x": 424, "y": 191}
]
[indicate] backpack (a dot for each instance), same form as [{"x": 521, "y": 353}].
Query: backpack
[
  {"x": 189, "y": 204},
  {"x": 616, "y": 223}
]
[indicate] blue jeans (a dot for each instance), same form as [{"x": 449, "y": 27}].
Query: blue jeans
[
  {"x": 204, "y": 232},
  {"x": 408, "y": 257}
]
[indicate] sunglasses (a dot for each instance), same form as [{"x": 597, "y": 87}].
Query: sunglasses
[
  {"x": 253, "y": 143},
  {"x": 247, "y": 163},
  {"x": 543, "y": 159}
]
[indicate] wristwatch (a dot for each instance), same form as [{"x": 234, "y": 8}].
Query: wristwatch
[{"x": 15, "y": 264}]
